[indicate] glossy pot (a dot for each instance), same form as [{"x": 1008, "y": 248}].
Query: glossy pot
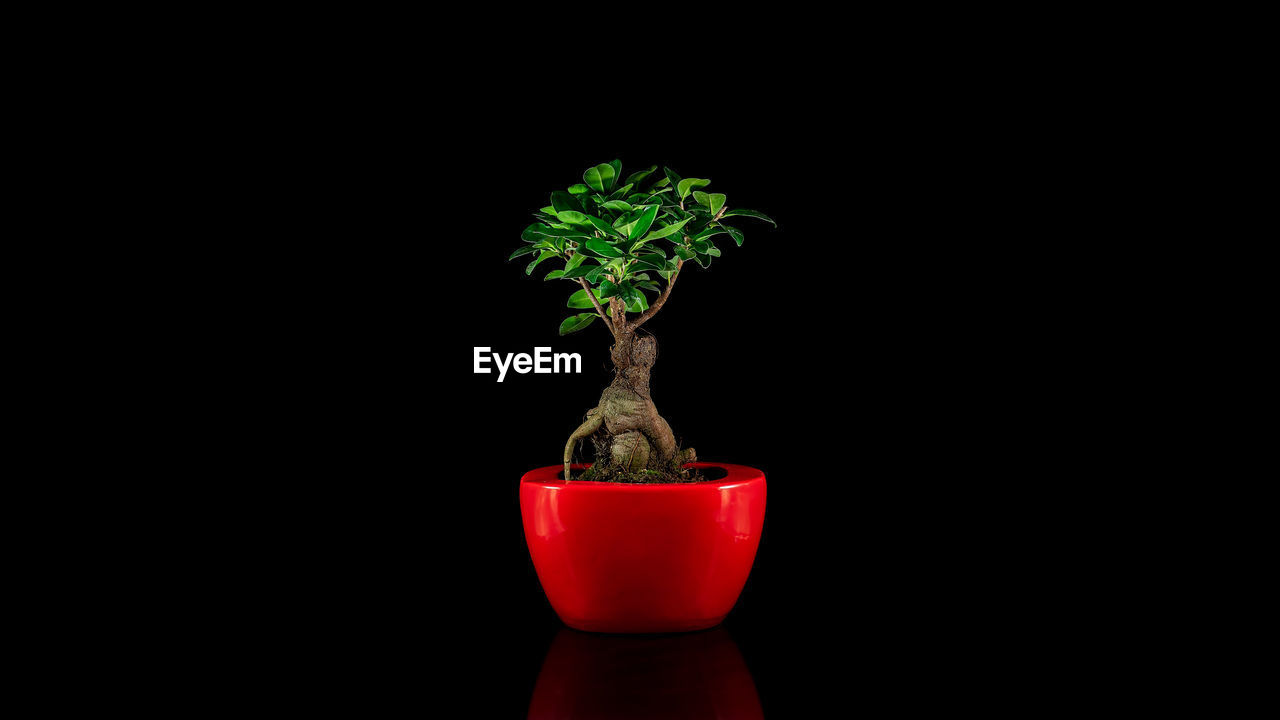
[{"x": 624, "y": 558}]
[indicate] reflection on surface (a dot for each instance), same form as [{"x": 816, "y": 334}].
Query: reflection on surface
[{"x": 693, "y": 675}]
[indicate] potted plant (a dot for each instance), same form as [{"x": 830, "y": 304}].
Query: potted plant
[{"x": 645, "y": 539}]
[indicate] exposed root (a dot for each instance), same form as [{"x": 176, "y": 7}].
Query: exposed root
[
  {"x": 629, "y": 451},
  {"x": 633, "y": 442},
  {"x": 593, "y": 421}
]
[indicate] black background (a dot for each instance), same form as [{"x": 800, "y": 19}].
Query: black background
[{"x": 865, "y": 355}]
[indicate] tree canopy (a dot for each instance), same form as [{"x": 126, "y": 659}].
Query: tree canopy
[{"x": 616, "y": 236}]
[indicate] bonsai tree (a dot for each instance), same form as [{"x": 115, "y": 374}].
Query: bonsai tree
[{"x": 616, "y": 239}]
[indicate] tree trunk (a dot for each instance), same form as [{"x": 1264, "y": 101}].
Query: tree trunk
[{"x": 629, "y": 434}]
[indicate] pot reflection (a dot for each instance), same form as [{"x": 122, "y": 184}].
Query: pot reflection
[{"x": 693, "y": 675}]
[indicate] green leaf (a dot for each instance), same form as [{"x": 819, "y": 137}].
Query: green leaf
[
  {"x": 608, "y": 290},
  {"x": 617, "y": 173},
  {"x": 572, "y": 216},
  {"x": 684, "y": 252},
  {"x": 619, "y": 193},
  {"x": 548, "y": 210},
  {"x": 688, "y": 184},
  {"x": 527, "y": 249},
  {"x": 545, "y": 254},
  {"x": 554, "y": 275},
  {"x": 574, "y": 261},
  {"x": 712, "y": 250},
  {"x": 574, "y": 323},
  {"x": 578, "y": 189},
  {"x": 713, "y": 201},
  {"x": 667, "y": 230},
  {"x": 675, "y": 212},
  {"x": 660, "y": 183},
  {"x": 643, "y": 222},
  {"x": 632, "y": 297},
  {"x": 703, "y": 260},
  {"x": 626, "y": 221},
  {"x": 650, "y": 262},
  {"x": 581, "y": 300},
  {"x": 748, "y": 213},
  {"x": 635, "y": 177},
  {"x": 602, "y": 247},
  {"x": 535, "y": 232},
  {"x": 734, "y": 233},
  {"x": 618, "y": 205},
  {"x": 538, "y": 230},
  {"x": 654, "y": 198},
  {"x": 581, "y": 270},
  {"x": 599, "y": 177},
  {"x": 672, "y": 177},
  {"x": 594, "y": 273},
  {"x": 713, "y": 230},
  {"x": 561, "y": 200},
  {"x": 603, "y": 226},
  {"x": 584, "y": 250}
]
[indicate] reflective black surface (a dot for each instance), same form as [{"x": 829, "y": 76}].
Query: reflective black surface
[{"x": 694, "y": 675}]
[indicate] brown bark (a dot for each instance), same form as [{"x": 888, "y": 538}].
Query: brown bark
[
  {"x": 626, "y": 423},
  {"x": 662, "y": 299},
  {"x": 629, "y": 433},
  {"x": 587, "y": 286}
]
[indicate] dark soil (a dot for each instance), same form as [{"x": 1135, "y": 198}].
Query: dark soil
[
  {"x": 609, "y": 473},
  {"x": 650, "y": 477}
]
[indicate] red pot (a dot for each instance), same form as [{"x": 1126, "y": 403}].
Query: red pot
[{"x": 623, "y": 558}]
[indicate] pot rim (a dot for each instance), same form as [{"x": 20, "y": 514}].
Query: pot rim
[{"x": 738, "y": 476}]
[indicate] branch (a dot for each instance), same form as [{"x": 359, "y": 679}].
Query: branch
[
  {"x": 619, "y": 309},
  {"x": 586, "y": 286},
  {"x": 657, "y": 304}
]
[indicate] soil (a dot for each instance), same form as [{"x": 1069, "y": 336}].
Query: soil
[
  {"x": 606, "y": 474},
  {"x": 610, "y": 473}
]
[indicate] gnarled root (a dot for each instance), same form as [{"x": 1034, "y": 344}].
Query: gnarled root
[
  {"x": 594, "y": 419},
  {"x": 630, "y": 451},
  {"x": 630, "y": 436},
  {"x": 686, "y": 455}
]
